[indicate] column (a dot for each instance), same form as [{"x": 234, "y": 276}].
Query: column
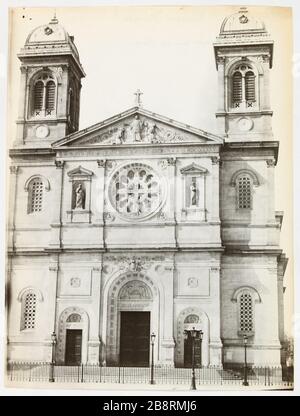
[
  {"x": 215, "y": 343},
  {"x": 57, "y": 189}
]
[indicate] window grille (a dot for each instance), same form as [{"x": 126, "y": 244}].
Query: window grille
[
  {"x": 29, "y": 311},
  {"x": 246, "y": 312},
  {"x": 244, "y": 192},
  {"x": 36, "y": 195}
]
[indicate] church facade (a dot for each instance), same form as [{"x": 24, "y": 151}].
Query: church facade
[{"x": 140, "y": 224}]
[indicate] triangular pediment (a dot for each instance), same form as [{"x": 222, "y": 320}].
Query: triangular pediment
[
  {"x": 137, "y": 126},
  {"x": 79, "y": 171},
  {"x": 193, "y": 169}
]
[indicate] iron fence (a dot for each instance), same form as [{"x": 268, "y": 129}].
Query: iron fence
[{"x": 90, "y": 373}]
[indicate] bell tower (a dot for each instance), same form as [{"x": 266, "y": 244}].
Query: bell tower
[
  {"x": 244, "y": 53},
  {"x": 51, "y": 75}
]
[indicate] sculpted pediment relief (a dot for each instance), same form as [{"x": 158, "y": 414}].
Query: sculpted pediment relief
[{"x": 137, "y": 127}]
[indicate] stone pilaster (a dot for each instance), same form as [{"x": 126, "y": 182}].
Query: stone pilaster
[
  {"x": 99, "y": 196},
  {"x": 215, "y": 343},
  {"x": 52, "y": 319},
  {"x": 167, "y": 344},
  {"x": 214, "y": 207},
  {"x": 94, "y": 341},
  {"x": 271, "y": 190},
  {"x": 57, "y": 189},
  {"x": 12, "y": 206}
]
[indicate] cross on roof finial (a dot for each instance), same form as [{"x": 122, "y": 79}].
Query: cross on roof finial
[
  {"x": 54, "y": 18},
  {"x": 138, "y": 100}
]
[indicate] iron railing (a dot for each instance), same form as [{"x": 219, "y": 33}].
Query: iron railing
[{"x": 92, "y": 373}]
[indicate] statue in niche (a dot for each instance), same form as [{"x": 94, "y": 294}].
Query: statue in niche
[
  {"x": 79, "y": 196},
  {"x": 193, "y": 193},
  {"x": 136, "y": 129}
]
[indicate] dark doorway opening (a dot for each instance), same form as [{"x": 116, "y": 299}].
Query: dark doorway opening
[
  {"x": 73, "y": 346},
  {"x": 135, "y": 339},
  {"x": 188, "y": 351}
]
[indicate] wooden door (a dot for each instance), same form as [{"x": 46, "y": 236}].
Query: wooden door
[
  {"x": 73, "y": 346},
  {"x": 135, "y": 339}
]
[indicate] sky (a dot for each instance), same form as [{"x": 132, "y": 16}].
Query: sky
[{"x": 167, "y": 52}]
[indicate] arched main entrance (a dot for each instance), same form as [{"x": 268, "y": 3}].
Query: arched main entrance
[{"x": 132, "y": 316}]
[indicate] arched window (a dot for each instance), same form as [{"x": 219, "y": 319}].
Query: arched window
[
  {"x": 237, "y": 87},
  {"x": 36, "y": 186},
  {"x": 246, "y": 297},
  {"x": 50, "y": 96},
  {"x": 38, "y": 95},
  {"x": 44, "y": 96},
  {"x": 244, "y": 192},
  {"x": 243, "y": 87},
  {"x": 250, "y": 86},
  {"x": 29, "y": 305},
  {"x": 243, "y": 181},
  {"x": 246, "y": 324}
]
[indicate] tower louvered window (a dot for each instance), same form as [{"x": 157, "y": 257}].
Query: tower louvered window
[
  {"x": 50, "y": 95},
  {"x": 250, "y": 86},
  {"x": 244, "y": 190},
  {"x": 243, "y": 87},
  {"x": 38, "y": 96},
  {"x": 246, "y": 312},
  {"x": 36, "y": 191},
  {"x": 29, "y": 311},
  {"x": 44, "y": 96},
  {"x": 237, "y": 87}
]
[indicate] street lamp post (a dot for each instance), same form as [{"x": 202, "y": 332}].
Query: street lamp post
[
  {"x": 245, "y": 382},
  {"x": 200, "y": 339},
  {"x": 194, "y": 333},
  {"x": 53, "y": 344},
  {"x": 152, "y": 358}
]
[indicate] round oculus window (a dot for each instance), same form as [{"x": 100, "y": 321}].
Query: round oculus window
[{"x": 135, "y": 191}]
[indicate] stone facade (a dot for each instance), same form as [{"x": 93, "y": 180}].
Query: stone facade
[{"x": 142, "y": 213}]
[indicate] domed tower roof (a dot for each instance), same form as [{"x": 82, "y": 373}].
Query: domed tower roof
[
  {"x": 50, "y": 40},
  {"x": 242, "y": 22},
  {"x": 242, "y": 29}
]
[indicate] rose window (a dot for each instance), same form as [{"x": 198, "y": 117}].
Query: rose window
[{"x": 135, "y": 191}]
